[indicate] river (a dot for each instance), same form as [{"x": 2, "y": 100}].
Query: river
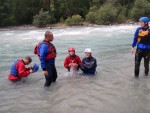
[{"x": 113, "y": 90}]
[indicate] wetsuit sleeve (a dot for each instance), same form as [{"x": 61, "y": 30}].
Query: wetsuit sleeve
[
  {"x": 135, "y": 37},
  {"x": 95, "y": 64},
  {"x": 43, "y": 53},
  {"x": 83, "y": 63},
  {"x": 22, "y": 70},
  {"x": 82, "y": 67},
  {"x": 66, "y": 63}
]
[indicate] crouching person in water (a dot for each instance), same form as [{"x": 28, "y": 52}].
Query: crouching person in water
[
  {"x": 18, "y": 69},
  {"x": 47, "y": 53},
  {"x": 72, "y": 61},
  {"x": 142, "y": 40},
  {"x": 89, "y": 63}
]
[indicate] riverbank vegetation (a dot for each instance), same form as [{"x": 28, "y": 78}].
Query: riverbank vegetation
[{"x": 71, "y": 12}]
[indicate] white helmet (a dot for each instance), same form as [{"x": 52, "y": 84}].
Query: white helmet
[{"x": 88, "y": 50}]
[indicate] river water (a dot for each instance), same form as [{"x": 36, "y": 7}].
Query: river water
[{"x": 113, "y": 90}]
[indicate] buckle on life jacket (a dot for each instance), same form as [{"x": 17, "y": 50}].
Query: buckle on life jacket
[{"x": 143, "y": 33}]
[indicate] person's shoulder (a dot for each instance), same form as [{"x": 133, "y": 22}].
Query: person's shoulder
[
  {"x": 20, "y": 62},
  {"x": 139, "y": 28},
  {"x": 84, "y": 59},
  {"x": 77, "y": 56},
  {"x": 93, "y": 58},
  {"x": 67, "y": 57},
  {"x": 44, "y": 45}
]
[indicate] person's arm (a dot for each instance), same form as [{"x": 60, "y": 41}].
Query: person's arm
[
  {"x": 78, "y": 65},
  {"x": 66, "y": 64},
  {"x": 83, "y": 66},
  {"x": 135, "y": 40},
  {"x": 95, "y": 64},
  {"x": 22, "y": 70},
  {"x": 43, "y": 53},
  {"x": 79, "y": 61}
]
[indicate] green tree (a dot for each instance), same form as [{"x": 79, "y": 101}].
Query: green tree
[
  {"x": 97, "y": 3},
  {"x": 42, "y": 18},
  {"x": 91, "y": 17},
  {"x": 74, "y": 20},
  {"x": 106, "y": 15},
  {"x": 6, "y": 17},
  {"x": 67, "y": 8},
  {"x": 24, "y": 10},
  {"x": 121, "y": 17},
  {"x": 141, "y": 8}
]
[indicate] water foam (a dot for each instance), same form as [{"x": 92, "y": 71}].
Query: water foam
[{"x": 94, "y": 30}]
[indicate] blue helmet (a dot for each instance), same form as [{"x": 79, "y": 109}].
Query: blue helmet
[
  {"x": 144, "y": 19},
  {"x": 35, "y": 67}
]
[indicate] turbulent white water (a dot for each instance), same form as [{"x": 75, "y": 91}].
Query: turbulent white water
[{"x": 113, "y": 90}]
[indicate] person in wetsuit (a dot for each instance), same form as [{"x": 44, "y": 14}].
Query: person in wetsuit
[
  {"x": 142, "y": 40},
  {"x": 89, "y": 63},
  {"x": 47, "y": 53}
]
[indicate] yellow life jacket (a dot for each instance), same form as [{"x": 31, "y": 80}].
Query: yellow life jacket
[{"x": 143, "y": 36}]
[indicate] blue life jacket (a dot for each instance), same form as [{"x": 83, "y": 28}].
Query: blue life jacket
[
  {"x": 46, "y": 52},
  {"x": 13, "y": 69},
  {"x": 143, "y": 46}
]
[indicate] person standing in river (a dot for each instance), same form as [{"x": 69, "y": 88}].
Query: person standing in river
[
  {"x": 47, "y": 53},
  {"x": 142, "y": 40}
]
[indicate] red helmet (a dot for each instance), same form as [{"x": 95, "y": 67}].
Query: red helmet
[{"x": 71, "y": 49}]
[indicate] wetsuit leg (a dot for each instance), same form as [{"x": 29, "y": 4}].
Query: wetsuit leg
[
  {"x": 138, "y": 57},
  {"x": 146, "y": 62},
  {"x": 49, "y": 77},
  {"x": 54, "y": 73}
]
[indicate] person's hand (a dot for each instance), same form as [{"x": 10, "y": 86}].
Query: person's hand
[
  {"x": 46, "y": 73},
  {"x": 30, "y": 67},
  {"x": 75, "y": 65},
  {"x": 70, "y": 65},
  {"x": 31, "y": 71},
  {"x": 132, "y": 50}
]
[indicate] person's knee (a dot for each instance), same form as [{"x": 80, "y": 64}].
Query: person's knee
[{"x": 137, "y": 64}]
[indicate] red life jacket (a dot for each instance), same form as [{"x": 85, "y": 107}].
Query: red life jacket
[{"x": 51, "y": 51}]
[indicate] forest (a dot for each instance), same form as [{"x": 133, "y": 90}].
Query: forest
[{"x": 71, "y": 12}]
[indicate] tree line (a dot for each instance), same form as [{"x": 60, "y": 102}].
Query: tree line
[{"x": 71, "y": 12}]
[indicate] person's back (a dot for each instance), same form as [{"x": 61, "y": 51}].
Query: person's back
[
  {"x": 46, "y": 52},
  {"x": 18, "y": 69}
]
